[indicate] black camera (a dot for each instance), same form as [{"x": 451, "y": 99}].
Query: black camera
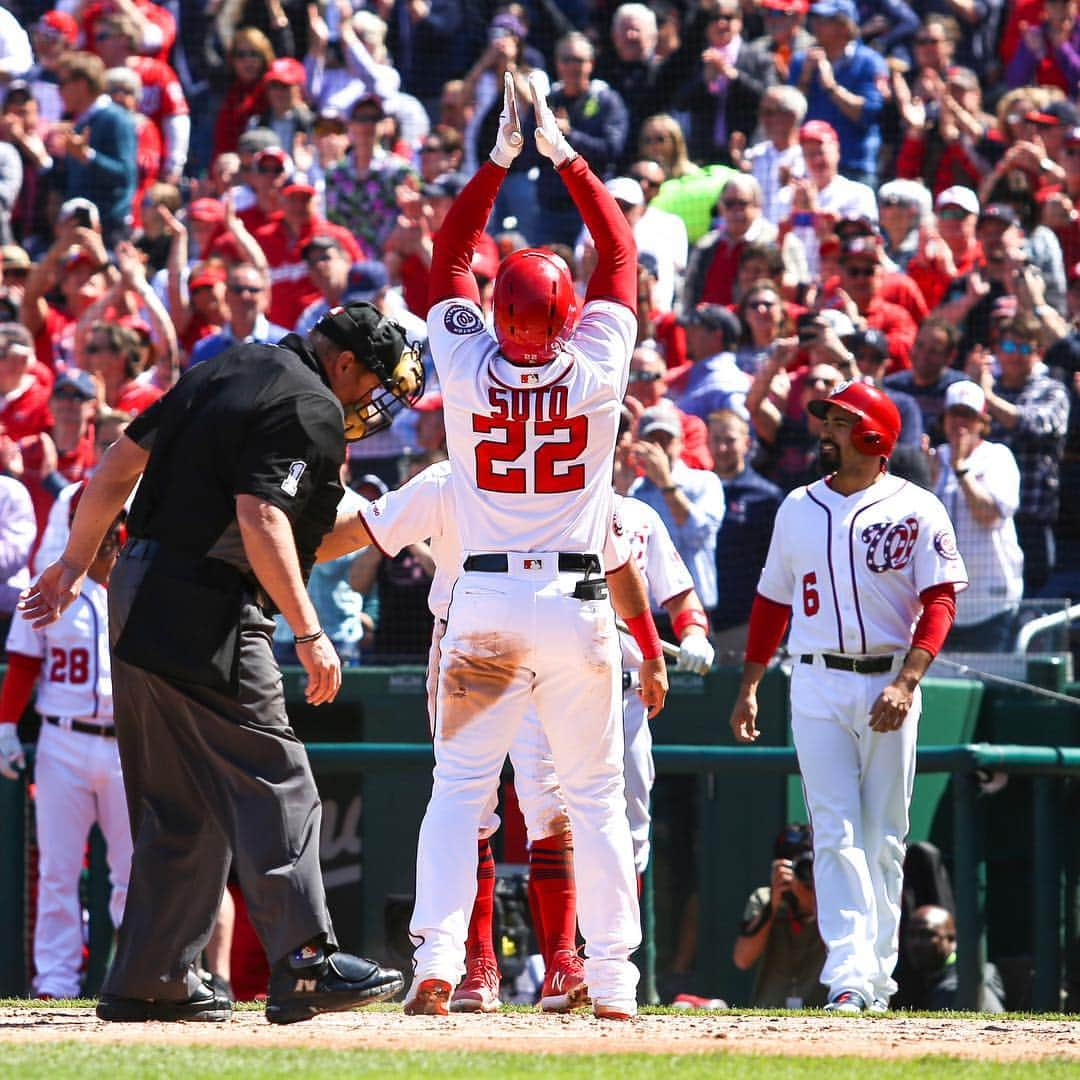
[
  {"x": 81, "y": 216},
  {"x": 803, "y": 867}
]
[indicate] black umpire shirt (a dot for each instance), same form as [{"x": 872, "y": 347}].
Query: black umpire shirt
[{"x": 257, "y": 420}]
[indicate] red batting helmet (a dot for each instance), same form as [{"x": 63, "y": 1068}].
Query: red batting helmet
[
  {"x": 535, "y": 306},
  {"x": 878, "y": 426}
]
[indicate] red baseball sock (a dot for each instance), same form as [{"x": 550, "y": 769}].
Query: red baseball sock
[
  {"x": 551, "y": 881},
  {"x": 479, "y": 942}
]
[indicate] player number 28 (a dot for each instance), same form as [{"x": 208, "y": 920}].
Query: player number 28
[
  {"x": 69, "y": 666},
  {"x": 811, "y": 602},
  {"x": 552, "y": 468}
]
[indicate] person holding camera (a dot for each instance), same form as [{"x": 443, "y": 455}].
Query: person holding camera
[{"x": 780, "y": 930}]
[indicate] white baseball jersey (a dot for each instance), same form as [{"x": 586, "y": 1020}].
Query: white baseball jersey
[
  {"x": 852, "y": 567},
  {"x": 652, "y": 548},
  {"x": 423, "y": 509},
  {"x": 532, "y": 446},
  {"x": 76, "y": 679}
]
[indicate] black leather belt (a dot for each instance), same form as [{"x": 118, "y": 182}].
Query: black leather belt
[
  {"x": 570, "y": 562},
  {"x": 85, "y": 729},
  {"x": 874, "y": 665}
]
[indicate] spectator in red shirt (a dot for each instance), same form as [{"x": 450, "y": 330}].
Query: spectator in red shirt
[
  {"x": 271, "y": 170},
  {"x": 155, "y": 28},
  {"x": 64, "y": 454},
  {"x": 162, "y": 98},
  {"x": 113, "y": 356},
  {"x": 861, "y": 274},
  {"x": 951, "y": 253},
  {"x": 249, "y": 59},
  {"x": 284, "y": 240},
  {"x": 24, "y": 401}
]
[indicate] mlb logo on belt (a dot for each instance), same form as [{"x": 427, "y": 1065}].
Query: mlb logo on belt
[{"x": 534, "y": 564}]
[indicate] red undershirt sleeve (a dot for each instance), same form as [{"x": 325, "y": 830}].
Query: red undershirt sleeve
[
  {"x": 768, "y": 621},
  {"x": 451, "y": 259},
  {"x": 615, "y": 276},
  {"x": 935, "y": 622},
  {"x": 18, "y": 686}
]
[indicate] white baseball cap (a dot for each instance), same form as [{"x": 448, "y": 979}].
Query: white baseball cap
[
  {"x": 965, "y": 394},
  {"x": 956, "y": 195},
  {"x": 626, "y": 190}
]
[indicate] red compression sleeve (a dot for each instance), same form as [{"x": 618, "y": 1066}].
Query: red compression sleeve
[
  {"x": 935, "y": 622},
  {"x": 768, "y": 621},
  {"x": 451, "y": 258},
  {"x": 643, "y": 630},
  {"x": 615, "y": 276},
  {"x": 18, "y": 687}
]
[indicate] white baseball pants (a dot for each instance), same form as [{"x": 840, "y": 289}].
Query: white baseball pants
[
  {"x": 515, "y": 641},
  {"x": 78, "y": 783},
  {"x": 858, "y": 785}
]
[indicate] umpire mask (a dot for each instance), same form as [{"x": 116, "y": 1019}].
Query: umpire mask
[{"x": 380, "y": 344}]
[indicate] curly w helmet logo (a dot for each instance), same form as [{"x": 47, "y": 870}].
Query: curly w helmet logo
[{"x": 889, "y": 545}]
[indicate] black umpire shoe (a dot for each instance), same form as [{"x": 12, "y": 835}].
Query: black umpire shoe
[
  {"x": 205, "y": 1005},
  {"x": 308, "y": 982}
]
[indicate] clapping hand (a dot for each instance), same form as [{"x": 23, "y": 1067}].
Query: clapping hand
[
  {"x": 509, "y": 142},
  {"x": 550, "y": 140}
]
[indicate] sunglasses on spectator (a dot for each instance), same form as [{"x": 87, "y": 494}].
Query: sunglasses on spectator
[
  {"x": 732, "y": 204},
  {"x": 859, "y": 271},
  {"x": 894, "y": 200},
  {"x": 1024, "y": 348},
  {"x": 434, "y": 148},
  {"x": 952, "y": 213},
  {"x": 820, "y": 380},
  {"x": 270, "y": 168},
  {"x": 96, "y": 347},
  {"x": 365, "y": 118},
  {"x": 762, "y": 302},
  {"x": 645, "y": 376},
  {"x": 243, "y": 290},
  {"x": 724, "y": 16},
  {"x": 645, "y": 180},
  {"x": 654, "y": 138},
  {"x": 573, "y": 59}
]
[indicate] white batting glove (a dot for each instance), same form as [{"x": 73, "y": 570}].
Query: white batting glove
[
  {"x": 509, "y": 142},
  {"x": 11, "y": 752},
  {"x": 695, "y": 654},
  {"x": 550, "y": 141}
]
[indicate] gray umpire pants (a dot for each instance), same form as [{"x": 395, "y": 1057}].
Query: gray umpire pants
[{"x": 211, "y": 781}]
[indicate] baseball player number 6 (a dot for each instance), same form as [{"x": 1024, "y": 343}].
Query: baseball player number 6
[{"x": 811, "y": 601}]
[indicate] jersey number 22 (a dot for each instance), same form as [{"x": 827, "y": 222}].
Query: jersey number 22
[{"x": 548, "y": 477}]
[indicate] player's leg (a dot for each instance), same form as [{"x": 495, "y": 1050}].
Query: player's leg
[
  {"x": 115, "y": 824},
  {"x": 578, "y": 687},
  {"x": 888, "y": 779},
  {"x": 552, "y": 890},
  {"x": 64, "y": 810},
  {"x": 479, "y": 990},
  {"x": 639, "y": 774},
  {"x": 825, "y": 742},
  {"x": 482, "y": 694}
]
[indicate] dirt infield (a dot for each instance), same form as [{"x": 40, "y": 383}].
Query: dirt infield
[{"x": 987, "y": 1040}]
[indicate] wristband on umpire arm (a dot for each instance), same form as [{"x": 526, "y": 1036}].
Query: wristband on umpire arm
[
  {"x": 307, "y": 639},
  {"x": 689, "y": 617},
  {"x": 643, "y": 630}
]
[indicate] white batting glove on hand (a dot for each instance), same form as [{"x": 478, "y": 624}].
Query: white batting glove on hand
[
  {"x": 550, "y": 141},
  {"x": 695, "y": 654},
  {"x": 509, "y": 142},
  {"x": 11, "y": 752}
]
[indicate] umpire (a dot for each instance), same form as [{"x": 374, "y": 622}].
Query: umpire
[{"x": 239, "y": 468}]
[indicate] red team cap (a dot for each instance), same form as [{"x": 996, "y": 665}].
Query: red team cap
[
  {"x": 286, "y": 70},
  {"x": 878, "y": 426},
  {"x": 535, "y": 306},
  {"x": 60, "y": 23},
  {"x": 818, "y": 131}
]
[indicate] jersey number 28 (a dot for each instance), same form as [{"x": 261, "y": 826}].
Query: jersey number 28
[
  {"x": 552, "y": 469},
  {"x": 69, "y": 666}
]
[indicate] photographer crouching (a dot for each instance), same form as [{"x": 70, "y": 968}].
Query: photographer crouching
[{"x": 780, "y": 930}]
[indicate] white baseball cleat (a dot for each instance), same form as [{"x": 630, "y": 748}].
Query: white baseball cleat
[
  {"x": 564, "y": 983},
  {"x": 846, "y": 1003},
  {"x": 877, "y": 1007},
  {"x": 479, "y": 990}
]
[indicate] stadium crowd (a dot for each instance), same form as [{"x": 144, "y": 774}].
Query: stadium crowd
[{"x": 884, "y": 190}]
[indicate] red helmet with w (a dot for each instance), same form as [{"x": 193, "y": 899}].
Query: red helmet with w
[
  {"x": 878, "y": 426},
  {"x": 535, "y": 306}
]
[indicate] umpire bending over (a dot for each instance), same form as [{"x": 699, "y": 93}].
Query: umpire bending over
[{"x": 240, "y": 468}]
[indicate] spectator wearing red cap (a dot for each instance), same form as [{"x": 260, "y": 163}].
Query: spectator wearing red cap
[
  {"x": 842, "y": 80},
  {"x": 24, "y": 401},
  {"x": 249, "y": 300},
  {"x": 271, "y": 170},
  {"x": 286, "y": 113},
  {"x": 55, "y": 34},
  {"x": 116, "y": 41},
  {"x": 283, "y": 241},
  {"x": 811, "y": 206},
  {"x": 1048, "y": 53},
  {"x": 785, "y": 34},
  {"x": 154, "y": 26},
  {"x": 361, "y": 190}
]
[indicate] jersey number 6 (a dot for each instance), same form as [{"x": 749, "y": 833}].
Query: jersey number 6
[
  {"x": 549, "y": 455},
  {"x": 811, "y": 602}
]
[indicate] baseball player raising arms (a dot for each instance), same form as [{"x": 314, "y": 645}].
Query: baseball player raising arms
[
  {"x": 856, "y": 561},
  {"x": 531, "y": 420},
  {"x": 78, "y": 766}
]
